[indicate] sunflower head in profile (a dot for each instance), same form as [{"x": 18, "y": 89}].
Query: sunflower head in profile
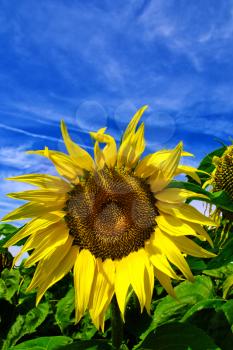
[
  {"x": 223, "y": 173},
  {"x": 221, "y": 179},
  {"x": 112, "y": 219}
]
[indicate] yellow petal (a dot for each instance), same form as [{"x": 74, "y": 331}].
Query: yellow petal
[
  {"x": 99, "y": 320},
  {"x": 137, "y": 147},
  {"x": 145, "y": 168},
  {"x": 66, "y": 265},
  {"x": 122, "y": 284},
  {"x": 49, "y": 182},
  {"x": 41, "y": 196},
  {"x": 47, "y": 265},
  {"x": 158, "y": 258},
  {"x": 64, "y": 165},
  {"x": 44, "y": 244},
  {"x": 167, "y": 169},
  {"x": 151, "y": 163},
  {"x": 173, "y": 253},
  {"x": 128, "y": 137},
  {"x": 99, "y": 157},
  {"x": 130, "y": 130},
  {"x": 84, "y": 270},
  {"x": 160, "y": 156},
  {"x": 165, "y": 281},
  {"x": 34, "y": 226},
  {"x": 149, "y": 285},
  {"x": 81, "y": 157},
  {"x": 44, "y": 241},
  {"x": 136, "y": 262},
  {"x": 98, "y": 153},
  {"x": 188, "y": 170},
  {"x": 177, "y": 195},
  {"x": 109, "y": 153},
  {"x": 202, "y": 232},
  {"x": 189, "y": 247},
  {"x": 102, "y": 287},
  {"x": 185, "y": 212},
  {"x": 30, "y": 210},
  {"x": 176, "y": 227}
]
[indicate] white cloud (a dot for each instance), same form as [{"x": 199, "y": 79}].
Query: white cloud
[
  {"x": 14, "y": 251},
  {"x": 17, "y": 158},
  {"x": 200, "y": 206},
  {"x": 145, "y": 52},
  {"x": 27, "y": 133},
  {"x": 219, "y": 126}
]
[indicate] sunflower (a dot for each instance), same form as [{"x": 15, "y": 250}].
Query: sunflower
[
  {"x": 113, "y": 220},
  {"x": 222, "y": 176},
  {"x": 221, "y": 179}
]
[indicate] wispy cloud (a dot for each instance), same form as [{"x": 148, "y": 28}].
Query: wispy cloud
[
  {"x": 27, "y": 133},
  {"x": 18, "y": 159},
  {"x": 14, "y": 161}
]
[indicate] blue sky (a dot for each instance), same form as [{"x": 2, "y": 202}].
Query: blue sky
[{"x": 93, "y": 63}]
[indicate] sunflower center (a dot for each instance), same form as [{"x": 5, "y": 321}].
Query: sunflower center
[
  {"x": 223, "y": 179},
  {"x": 111, "y": 213},
  {"x": 111, "y": 220}
]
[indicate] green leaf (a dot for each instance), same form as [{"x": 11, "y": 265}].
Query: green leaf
[
  {"x": 88, "y": 344},
  {"x": 187, "y": 295},
  {"x": 227, "y": 285},
  {"x": 227, "y": 308},
  {"x": 43, "y": 343},
  {"x": 221, "y": 199},
  {"x": 11, "y": 280},
  {"x": 178, "y": 336},
  {"x": 188, "y": 186},
  {"x": 207, "y": 162},
  {"x": 3, "y": 289},
  {"x": 65, "y": 307},
  {"x": 220, "y": 272},
  {"x": 86, "y": 328},
  {"x": 196, "y": 265},
  {"x": 203, "y": 304},
  {"x": 6, "y": 232},
  {"x": 224, "y": 257},
  {"x": 26, "y": 324},
  {"x": 6, "y": 229}
]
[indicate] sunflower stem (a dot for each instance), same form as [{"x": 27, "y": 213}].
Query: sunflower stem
[{"x": 117, "y": 325}]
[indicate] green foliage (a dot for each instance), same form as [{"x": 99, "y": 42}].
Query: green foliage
[
  {"x": 9, "y": 283},
  {"x": 221, "y": 199},
  {"x": 88, "y": 344},
  {"x": 178, "y": 336},
  {"x": 64, "y": 309},
  {"x": 26, "y": 324},
  {"x": 6, "y": 232},
  {"x": 207, "y": 163},
  {"x": 43, "y": 343}
]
